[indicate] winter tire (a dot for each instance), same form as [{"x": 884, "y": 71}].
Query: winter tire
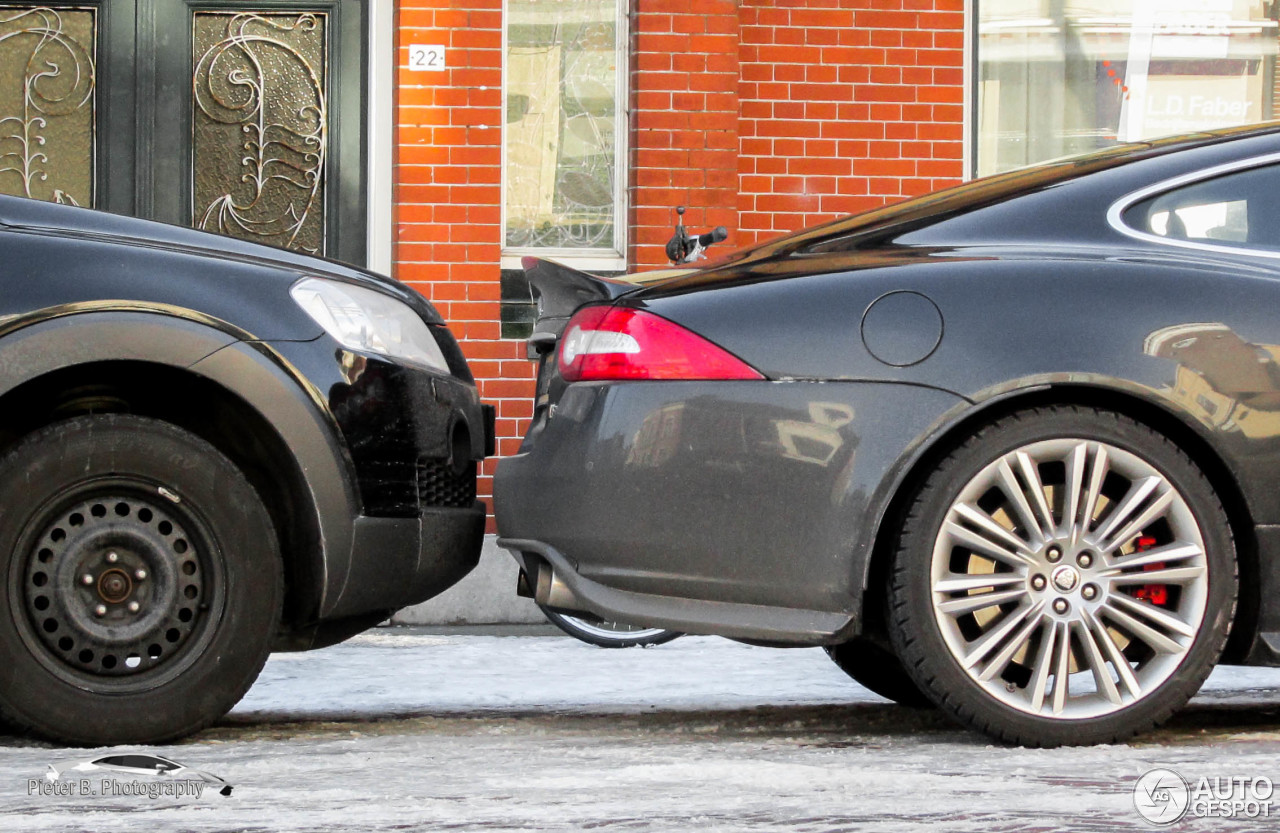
[{"x": 143, "y": 580}]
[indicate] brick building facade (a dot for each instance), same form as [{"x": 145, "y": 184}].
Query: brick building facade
[
  {"x": 443, "y": 140},
  {"x": 764, "y": 116}
]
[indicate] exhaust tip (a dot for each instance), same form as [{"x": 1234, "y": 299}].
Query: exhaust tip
[{"x": 548, "y": 589}]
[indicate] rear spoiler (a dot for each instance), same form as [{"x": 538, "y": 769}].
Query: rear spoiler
[{"x": 558, "y": 291}]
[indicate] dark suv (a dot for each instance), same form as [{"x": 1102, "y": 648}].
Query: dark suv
[{"x": 209, "y": 450}]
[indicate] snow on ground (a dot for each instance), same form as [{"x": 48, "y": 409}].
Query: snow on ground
[
  {"x": 542, "y": 672},
  {"x": 410, "y": 730}
]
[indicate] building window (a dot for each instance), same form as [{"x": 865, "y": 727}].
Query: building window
[
  {"x": 1059, "y": 77},
  {"x": 258, "y": 158},
  {"x": 563, "y": 184}
]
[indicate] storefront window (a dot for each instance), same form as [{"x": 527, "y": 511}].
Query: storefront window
[
  {"x": 1059, "y": 77},
  {"x": 565, "y": 69}
]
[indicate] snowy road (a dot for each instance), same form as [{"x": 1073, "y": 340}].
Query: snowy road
[{"x": 406, "y": 730}]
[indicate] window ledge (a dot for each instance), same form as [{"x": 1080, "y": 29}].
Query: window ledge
[{"x": 586, "y": 263}]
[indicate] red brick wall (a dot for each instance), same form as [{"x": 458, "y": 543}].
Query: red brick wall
[
  {"x": 764, "y": 116},
  {"x": 684, "y": 123},
  {"x": 448, "y": 196},
  {"x": 846, "y": 105}
]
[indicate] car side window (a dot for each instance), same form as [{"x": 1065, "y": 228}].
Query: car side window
[{"x": 1237, "y": 209}]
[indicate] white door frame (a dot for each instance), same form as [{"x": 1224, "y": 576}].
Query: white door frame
[{"x": 381, "y": 126}]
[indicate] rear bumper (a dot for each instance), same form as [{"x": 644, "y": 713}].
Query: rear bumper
[
  {"x": 754, "y": 497},
  {"x": 555, "y": 583}
]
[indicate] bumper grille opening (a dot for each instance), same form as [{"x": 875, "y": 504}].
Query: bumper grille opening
[
  {"x": 438, "y": 485},
  {"x": 401, "y": 488}
]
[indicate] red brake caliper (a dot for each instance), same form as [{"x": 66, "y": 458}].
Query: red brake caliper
[{"x": 1157, "y": 594}]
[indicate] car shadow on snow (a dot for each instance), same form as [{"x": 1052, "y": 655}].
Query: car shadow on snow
[
  {"x": 834, "y": 726},
  {"x": 859, "y": 724}
]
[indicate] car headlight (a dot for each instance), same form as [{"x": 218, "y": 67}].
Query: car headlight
[{"x": 367, "y": 321}]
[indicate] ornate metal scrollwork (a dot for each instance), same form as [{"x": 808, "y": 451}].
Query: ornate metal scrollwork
[
  {"x": 260, "y": 129},
  {"x": 47, "y": 121}
]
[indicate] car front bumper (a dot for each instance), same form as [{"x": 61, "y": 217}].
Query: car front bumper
[
  {"x": 404, "y": 561},
  {"x": 415, "y": 440},
  {"x": 408, "y": 442}
]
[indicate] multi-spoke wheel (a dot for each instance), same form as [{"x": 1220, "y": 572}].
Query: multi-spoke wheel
[
  {"x": 143, "y": 582},
  {"x": 1065, "y": 576}
]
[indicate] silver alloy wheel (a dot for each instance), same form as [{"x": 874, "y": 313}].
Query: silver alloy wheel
[{"x": 1069, "y": 578}]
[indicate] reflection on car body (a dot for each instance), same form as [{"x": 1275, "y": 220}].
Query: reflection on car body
[{"x": 1233, "y": 384}]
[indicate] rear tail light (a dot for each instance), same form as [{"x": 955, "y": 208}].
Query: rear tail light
[{"x": 610, "y": 343}]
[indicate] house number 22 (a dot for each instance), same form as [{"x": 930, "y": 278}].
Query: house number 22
[{"x": 425, "y": 57}]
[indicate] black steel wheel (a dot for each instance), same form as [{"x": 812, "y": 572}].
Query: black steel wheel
[
  {"x": 876, "y": 668},
  {"x": 604, "y": 634},
  {"x": 1066, "y": 576},
  {"x": 143, "y": 580}
]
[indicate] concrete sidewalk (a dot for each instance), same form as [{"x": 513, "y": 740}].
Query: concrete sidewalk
[{"x": 487, "y": 596}]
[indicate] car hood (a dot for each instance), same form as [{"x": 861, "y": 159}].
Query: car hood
[{"x": 27, "y": 214}]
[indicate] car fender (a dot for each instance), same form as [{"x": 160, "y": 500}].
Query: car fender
[
  {"x": 251, "y": 370},
  {"x": 50, "y": 339},
  {"x": 1139, "y": 401},
  {"x": 257, "y": 374}
]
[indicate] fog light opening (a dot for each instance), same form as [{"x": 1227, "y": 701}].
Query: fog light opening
[{"x": 459, "y": 449}]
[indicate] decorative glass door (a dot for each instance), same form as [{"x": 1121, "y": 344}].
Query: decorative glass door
[
  {"x": 48, "y": 61},
  {"x": 247, "y": 124},
  {"x": 260, "y": 125}
]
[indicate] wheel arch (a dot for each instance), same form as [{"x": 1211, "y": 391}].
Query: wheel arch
[
  {"x": 1178, "y": 429},
  {"x": 203, "y": 380}
]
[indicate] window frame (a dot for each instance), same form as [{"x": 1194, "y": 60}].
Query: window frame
[
  {"x": 612, "y": 259},
  {"x": 1115, "y": 214},
  {"x": 143, "y": 155}
]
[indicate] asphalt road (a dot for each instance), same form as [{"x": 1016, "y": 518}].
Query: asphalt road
[{"x": 416, "y": 730}]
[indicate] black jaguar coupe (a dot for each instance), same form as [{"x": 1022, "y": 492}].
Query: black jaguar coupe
[{"x": 1012, "y": 448}]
